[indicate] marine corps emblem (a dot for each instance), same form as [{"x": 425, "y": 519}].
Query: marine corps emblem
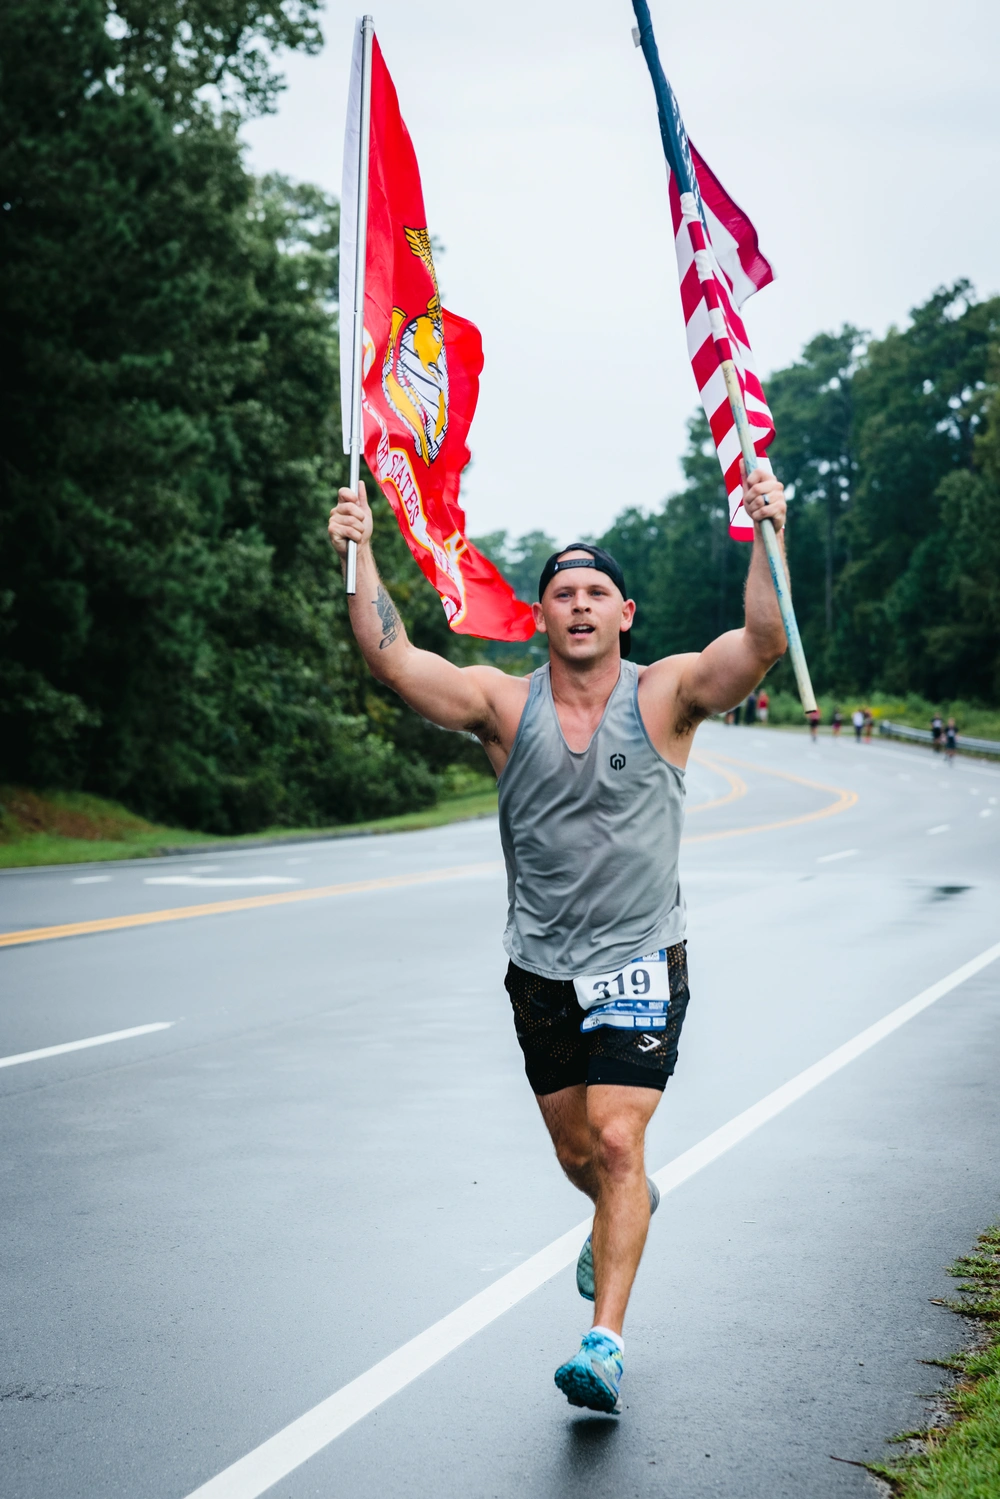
[{"x": 415, "y": 369}]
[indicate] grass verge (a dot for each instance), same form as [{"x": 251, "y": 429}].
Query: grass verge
[
  {"x": 961, "y": 1459},
  {"x": 76, "y": 828}
]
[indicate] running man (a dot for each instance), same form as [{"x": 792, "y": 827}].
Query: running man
[{"x": 590, "y": 752}]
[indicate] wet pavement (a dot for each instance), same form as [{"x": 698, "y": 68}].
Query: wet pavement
[{"x": 208, "y": 1229}]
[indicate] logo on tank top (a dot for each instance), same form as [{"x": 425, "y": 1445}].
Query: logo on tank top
[{"x": 617, "y": 761}]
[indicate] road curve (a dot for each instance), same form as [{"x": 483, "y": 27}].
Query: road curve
[{"x": 254, "y": 1157}]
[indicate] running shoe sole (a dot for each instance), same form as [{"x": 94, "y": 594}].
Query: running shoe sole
[{"x": 583, "y": 1387}]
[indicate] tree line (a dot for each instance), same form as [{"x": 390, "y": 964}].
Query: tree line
[
  {"x": 890, "y": 452},
  {"x": 172, "y": 628},
  {"x": 173, "y": 632}
]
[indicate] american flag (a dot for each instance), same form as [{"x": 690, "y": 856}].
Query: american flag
[{"x": 720, "y": 265}]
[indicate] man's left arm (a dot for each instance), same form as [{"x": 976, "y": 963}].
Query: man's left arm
[{"x": 724, "y": 672}]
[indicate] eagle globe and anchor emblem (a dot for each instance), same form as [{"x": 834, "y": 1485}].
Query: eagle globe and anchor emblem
[{"x": 415, "y": 369}]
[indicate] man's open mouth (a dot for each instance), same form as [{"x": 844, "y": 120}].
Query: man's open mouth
[{"x": 581, "y": 629}]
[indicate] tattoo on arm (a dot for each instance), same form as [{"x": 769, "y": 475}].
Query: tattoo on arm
[{"x": 391, "y": 622}]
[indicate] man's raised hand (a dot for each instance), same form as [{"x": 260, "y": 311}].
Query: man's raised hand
[
  {"x": 763, "y": 497},
  {"x": 350, "y": 519}
]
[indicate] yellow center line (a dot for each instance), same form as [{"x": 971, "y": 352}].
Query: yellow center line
[
  {"x": 737, "y": 786},
  {"x": 843, "y": 801},
  {"x": 242, "y": 903}
]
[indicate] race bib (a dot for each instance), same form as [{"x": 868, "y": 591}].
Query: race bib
[{"x": 633, "y": 997}]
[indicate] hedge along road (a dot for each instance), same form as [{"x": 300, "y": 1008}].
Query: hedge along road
[{"x": 213, "y": 1227}]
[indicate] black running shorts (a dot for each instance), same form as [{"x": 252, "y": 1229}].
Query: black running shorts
[{"x": 557, "y": 1054}]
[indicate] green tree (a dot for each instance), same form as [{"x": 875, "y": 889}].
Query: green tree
[
  {"x": 814, "y": 455},
  {"x": 920, "y": 397},
  {"x": 173, "y": 629},
  {"x": 521, "y": 560},
  {"x": 890, "y": 451}
]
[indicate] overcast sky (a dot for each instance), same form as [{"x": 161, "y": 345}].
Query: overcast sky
[{"x": 862, "y": 139}]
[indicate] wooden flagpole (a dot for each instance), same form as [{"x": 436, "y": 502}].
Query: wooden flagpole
[{"x": 360, "y": 255}]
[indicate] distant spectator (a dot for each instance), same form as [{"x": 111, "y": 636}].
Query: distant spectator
[
  {"x": 813, "y": 724},
  {"x": 869, "y": 724},
  {"x": 937, "y": 732},
  {"x": 836, "y": 722},
  {"x": 737, "y": 713},
  {"x": 950, "y": 739},
  {"x": 858, "y": 720},
  {"x": 729, "y": 716},
  {"x": 751, "y": 708},
  {"x": 763, "y": 703}
]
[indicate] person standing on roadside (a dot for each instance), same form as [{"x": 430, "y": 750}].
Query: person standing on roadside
[
  {"x": 937, "y": 732},
  {"x": 814, "y": 717},
  {"x": 869, "y": 724},
  {"x": 950, "y": 739},
  {"x": 751, "y": 708},
  {"x": 763, "y": 704},
  {"x": 836, "y": 722},
  {"x": 858, "y": 720},
  {"x": 590, "y": 752}
]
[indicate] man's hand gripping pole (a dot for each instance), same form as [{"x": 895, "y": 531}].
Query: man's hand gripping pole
[{"x": 775, "y": 561}]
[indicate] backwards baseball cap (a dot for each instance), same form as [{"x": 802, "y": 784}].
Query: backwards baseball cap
[{"x": 601, "y": 561}]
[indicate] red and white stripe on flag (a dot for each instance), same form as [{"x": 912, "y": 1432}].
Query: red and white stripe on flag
[{"x": 720, "y": 266}]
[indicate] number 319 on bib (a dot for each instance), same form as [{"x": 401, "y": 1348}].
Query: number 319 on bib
[{"x": 641, "y": 978}]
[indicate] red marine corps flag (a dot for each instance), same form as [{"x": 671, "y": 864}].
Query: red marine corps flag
[{"x": 419, "y": 363}]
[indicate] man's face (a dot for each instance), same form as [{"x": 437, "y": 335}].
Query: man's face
[{"x": 582, "y": 613}]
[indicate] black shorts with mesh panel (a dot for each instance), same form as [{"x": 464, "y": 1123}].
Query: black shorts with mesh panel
[{"x": 557, "y": 1054}]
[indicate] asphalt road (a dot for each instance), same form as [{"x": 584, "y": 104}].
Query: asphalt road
[{"x": 208, "y": 1229}]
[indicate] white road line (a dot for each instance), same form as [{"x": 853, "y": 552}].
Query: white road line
[
  {"x": 274, "y": 1459},
  {"x": 845, "y": 853},
  {"x": 91, "y": 879},
  {"x": 942, "y": 827},
  {"x": 57, "y": 1051},
  {"x": 198, "y": 879}
]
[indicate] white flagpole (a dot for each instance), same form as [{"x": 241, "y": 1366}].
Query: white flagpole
[
  {"x": 360, "y": 251},
  {"x": 779, "y": 576}
]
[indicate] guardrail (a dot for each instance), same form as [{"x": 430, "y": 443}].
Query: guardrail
[{"x": 924, "y": 736}]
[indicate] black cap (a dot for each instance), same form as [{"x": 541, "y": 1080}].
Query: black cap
[{"x": 601, "y": 561}]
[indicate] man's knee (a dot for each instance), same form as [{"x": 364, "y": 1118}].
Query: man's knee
[{"x": 618, "y": 1147}]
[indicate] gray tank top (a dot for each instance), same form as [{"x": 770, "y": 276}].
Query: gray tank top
[{"x": 590, "y": 838}]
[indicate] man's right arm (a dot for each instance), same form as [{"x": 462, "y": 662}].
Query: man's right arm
[{"x": 450, "y": 696}]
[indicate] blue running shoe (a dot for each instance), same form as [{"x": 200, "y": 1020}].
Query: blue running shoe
[
  {"x": 585, "y": 1264},
  {"x": 593, "y": 1377}
]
